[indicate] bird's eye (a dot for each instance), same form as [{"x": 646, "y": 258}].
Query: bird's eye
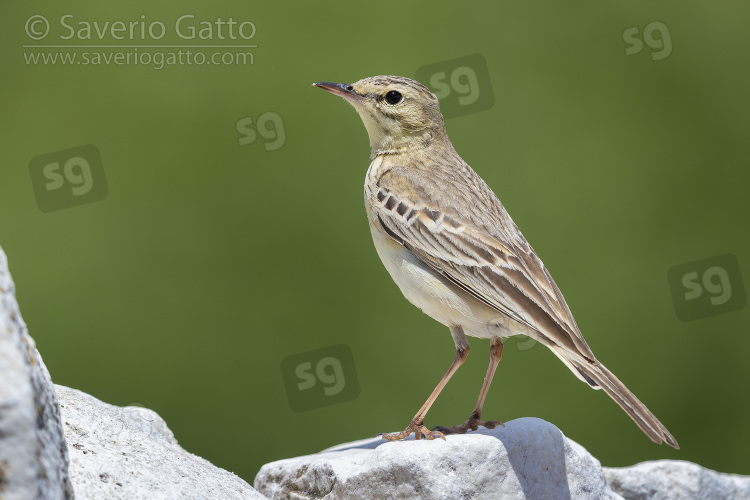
[{"x": 393, "y": 97}]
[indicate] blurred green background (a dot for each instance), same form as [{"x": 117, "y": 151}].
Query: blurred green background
[{"x": 209, "y": 262}]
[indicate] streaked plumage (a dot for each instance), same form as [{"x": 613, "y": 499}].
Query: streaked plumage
[{"x": 454, "y": 251}]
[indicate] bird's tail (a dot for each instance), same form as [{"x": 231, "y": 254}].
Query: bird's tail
[{"x": 597, "y": 376}]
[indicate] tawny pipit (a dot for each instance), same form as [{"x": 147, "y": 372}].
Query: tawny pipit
[{"x": 454, "y": 251}]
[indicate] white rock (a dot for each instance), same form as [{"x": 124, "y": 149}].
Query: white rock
[
  {"x": 130, "y": 453},
  {"x": 676, "y": 480},
  {"x": 528, "y": 458},
  {"x": 33, "y": 454},
  {"x": 115, "y": 453}
]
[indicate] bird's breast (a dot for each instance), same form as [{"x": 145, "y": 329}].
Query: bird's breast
[
  {"x": 434, "y": 294},
  {"x": 430, "y": 291}
]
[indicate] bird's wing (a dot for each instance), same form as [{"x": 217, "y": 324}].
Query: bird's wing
[{"x": 498, "y": 266}]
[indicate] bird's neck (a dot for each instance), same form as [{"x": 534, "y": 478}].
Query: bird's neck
[{"x": 386, "y": 144}]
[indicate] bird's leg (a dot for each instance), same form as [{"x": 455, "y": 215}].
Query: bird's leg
[
  {"x": 417, "y": 423},
  {"x": 496, "y": 352}
]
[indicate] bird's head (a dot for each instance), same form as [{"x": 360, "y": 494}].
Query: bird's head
[{"x": 399, "y": 114}]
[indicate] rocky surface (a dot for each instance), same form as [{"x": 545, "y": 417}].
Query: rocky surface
[
  {"x": 527, "y": 459},
  {"x": 33, "y": 454},
  {"x": 675, "y": 480},
  {"x": 130, "y": 453},
  {"x": 55, "y": 441}
]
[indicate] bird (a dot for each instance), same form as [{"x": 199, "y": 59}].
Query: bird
[{"x": 455, "y": 253}]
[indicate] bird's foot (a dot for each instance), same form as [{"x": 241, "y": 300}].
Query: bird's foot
[
  {"x": 419, "y": 431},
  {"x": 472, "y": 424}
]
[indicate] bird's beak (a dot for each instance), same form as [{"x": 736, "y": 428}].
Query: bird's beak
[{"x": 345, "y": 90}]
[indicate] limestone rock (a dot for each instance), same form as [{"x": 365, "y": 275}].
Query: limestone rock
[
  {"x": 675, "y": 480},
  {"x": 110, "y": 452},
  {"x": 527, "y": 459},
  {"x": 129, "y": 453},
  {"x": 33, "y": 454}
]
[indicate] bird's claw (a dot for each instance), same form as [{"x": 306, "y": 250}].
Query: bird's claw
[{"x": 419, "y": 430}]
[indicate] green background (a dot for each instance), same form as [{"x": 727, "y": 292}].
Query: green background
[{"x": 209, "y": 262}]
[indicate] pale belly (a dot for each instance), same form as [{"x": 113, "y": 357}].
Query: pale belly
[{"x": 437, "y": 297}]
